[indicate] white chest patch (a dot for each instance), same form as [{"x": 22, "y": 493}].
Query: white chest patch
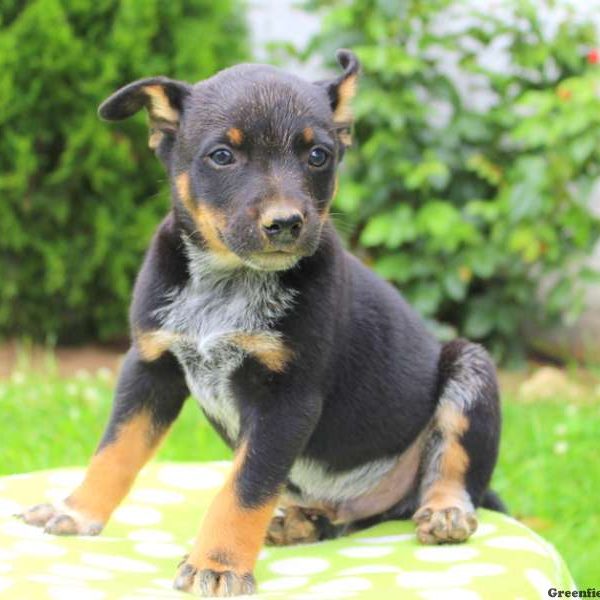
[{"x": 215, "y": 304}]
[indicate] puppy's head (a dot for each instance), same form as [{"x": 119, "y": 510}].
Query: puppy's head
[{"x": 251, "y": 153}]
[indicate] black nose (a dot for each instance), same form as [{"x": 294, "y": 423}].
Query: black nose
[{"x": 284, "y": 227}]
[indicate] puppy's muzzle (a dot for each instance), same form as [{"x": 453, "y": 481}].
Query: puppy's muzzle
[{"x": 282, "y": 227}]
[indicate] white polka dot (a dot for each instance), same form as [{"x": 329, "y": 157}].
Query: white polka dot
[
  {"x": 299, "y": 566},
  {"x": 371, "y": 569},
  {"x": 160, "y": 550},
  {"x": 134, "y": 514},
  {"x": 317, "y": 596},
  {"x": 9, "y": 508},
  {"x": 157, "y": 496},
  {"x": 21, "y": 530},
  {"x": 445, "y": 553},
  {"x": 4, "y": 568},
  {"x": 283, "y": 584},
  {"x": 431, "y": 579},
  {"x": 80, "y": 572},
  {"x": 450, "y": 594},
  {"x": 117, "y": 563},
  {"x": 39, "y": 548},
  {"x": 192, "y": 477},
  {"x": 17, "y": 477},
  {"x": 56, "y": 580},
  {"x": 66, "y": 478},
  {"x": 365, "y": 551},
  {"x": 5, "y": 583},
  {"x": 69, "y": 593},
  {"x": 342, "y": 584},
  {"x": 56, "y": 495},
  {"x": 150, "y": 535},
  {"x": 539, "y": 581},
  {"x": 153, "y": 594},
  {"x": 164, "y": 584},
  {"x": 387, "y": 539},
  {"x": 478, "y": 569},
  {"x": 6, "y": 555},
  {"x": 516, "y": 542},
  {"x": 484, "y": 529}
]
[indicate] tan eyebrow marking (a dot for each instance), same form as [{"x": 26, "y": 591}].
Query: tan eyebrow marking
[
  {"x": 308, "y": 135},
  {"x": 235, "y": 135}
]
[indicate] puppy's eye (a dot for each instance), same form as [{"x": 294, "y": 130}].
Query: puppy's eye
[
  {"x": 222, "y": 157},
  {"x": 318, "y": 157}
]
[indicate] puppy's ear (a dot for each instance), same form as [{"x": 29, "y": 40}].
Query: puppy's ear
[
  {"x": 163, "y": 98},
  {"x": 341, "y": 90}
]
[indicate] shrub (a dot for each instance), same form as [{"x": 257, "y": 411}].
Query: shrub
[
  {"x": 80, "y": 198},
  {"x": 469, "y": 209}
]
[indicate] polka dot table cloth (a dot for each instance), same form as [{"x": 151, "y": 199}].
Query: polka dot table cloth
[{"x": 136, "y": 555}]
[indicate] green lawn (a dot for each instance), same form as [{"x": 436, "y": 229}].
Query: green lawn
[{"x": 548, "y": 472}]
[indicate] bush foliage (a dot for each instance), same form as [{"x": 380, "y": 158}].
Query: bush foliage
[
  {"x": 467, "y": 208},
  {"x": 80, "y": 198}
]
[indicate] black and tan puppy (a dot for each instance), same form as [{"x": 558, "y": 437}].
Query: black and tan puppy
[{"x": 339, "y": 404}]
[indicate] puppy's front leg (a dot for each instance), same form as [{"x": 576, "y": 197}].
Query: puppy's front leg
[
  {"x": 149, "y": 397},
  {"x": 222, "y": 560}
]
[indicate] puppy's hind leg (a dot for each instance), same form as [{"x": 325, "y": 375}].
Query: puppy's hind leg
[{"x": 462, "y": 447}]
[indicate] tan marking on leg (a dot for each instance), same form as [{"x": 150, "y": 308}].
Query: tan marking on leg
[
  {"x": 235, "y": 136},
  {"x": 446, "y": 513},
  {"x": 114, "y": 467},
  {"x": 208, "y": 221},
  {"x": 308, "y": 135},
  {"x": 231, "y": 529},
  {"x": 153, "y": 344},
  {"x": 269, "y": 349},
  {"x": 346, "y": 91},
  {"x": 454, "y": 460}
]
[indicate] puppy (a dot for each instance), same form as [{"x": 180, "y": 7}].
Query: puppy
[{"x": 339, "y": 404}]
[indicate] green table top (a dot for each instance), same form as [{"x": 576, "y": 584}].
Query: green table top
[{"x": 136, "y": 555}]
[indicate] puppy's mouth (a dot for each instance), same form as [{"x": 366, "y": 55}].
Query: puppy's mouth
[{"x": 273, "y": 260}]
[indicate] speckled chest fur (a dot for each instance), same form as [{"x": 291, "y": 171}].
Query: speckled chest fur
[{"x": 216, "y": 303}]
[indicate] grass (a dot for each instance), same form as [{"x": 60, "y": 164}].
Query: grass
[{"x": 547, "y": 472}]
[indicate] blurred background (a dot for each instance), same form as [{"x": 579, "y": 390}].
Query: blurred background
[{"x": 473, "y": 185}]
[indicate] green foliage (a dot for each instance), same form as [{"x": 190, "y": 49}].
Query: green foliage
[
  {"x": 80, "y": 198},
  {"x": 469, "y": 209}
]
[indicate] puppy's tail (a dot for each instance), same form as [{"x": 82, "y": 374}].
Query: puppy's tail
[{"x": 493, "y": 501}]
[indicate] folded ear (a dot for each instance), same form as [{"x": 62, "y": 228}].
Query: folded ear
[
  {"x": 341, "y": 90},
  {"x": 163, "y": 98}
]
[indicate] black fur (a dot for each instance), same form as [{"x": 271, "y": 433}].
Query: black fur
[{"x": 366, "y": 375}]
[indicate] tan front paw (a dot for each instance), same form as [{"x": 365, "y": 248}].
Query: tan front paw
[
  {"x": 60, "y": 520},
  {"x": 209, "y": 582},
  {"x": 452, "y": 524}
]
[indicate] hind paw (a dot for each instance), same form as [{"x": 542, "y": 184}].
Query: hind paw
[{"x": 452, "y": 524}]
